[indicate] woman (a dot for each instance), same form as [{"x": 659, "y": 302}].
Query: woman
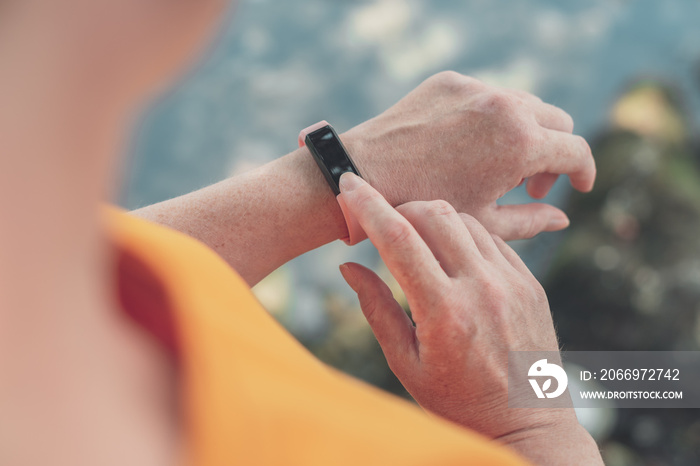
[{"x": 122, "y": 342}]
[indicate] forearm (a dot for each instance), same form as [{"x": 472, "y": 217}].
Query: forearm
[{"x": 259, "y": 220}]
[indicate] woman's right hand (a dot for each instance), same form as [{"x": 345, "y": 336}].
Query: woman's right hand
[{"x": 472, "y": 300}]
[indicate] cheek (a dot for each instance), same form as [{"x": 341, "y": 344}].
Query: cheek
[{"x": 141, "y": 42}]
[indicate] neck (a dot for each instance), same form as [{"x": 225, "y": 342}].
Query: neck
[
  {"x": 53, "y": 175},
  {"x": 59, "y": 137},
  {"x": 59, "y": 328},
  {"x": 58, "y": 134}
]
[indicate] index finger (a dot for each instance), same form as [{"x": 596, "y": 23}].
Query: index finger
[
  {"x": 567, "y": 154},
  {"x": 547, "y": 115},
  {"x": 404, "y": 252}
]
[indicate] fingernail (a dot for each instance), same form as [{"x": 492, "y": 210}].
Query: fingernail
[
  {"x": 558, "y": 223},
  {"x": 348, "y": 275},
  {"x": 349, "y": 181}
]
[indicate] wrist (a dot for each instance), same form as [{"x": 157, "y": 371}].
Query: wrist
[
  {"x": 321, "y": 216},
  {"x": 555, "y": 442}
]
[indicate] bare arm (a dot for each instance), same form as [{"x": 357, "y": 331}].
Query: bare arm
[
  {"x": 261, "y": 219},
  {"x": 452, "y": 138}
]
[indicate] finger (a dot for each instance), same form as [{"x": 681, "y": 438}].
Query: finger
[
  {"x": 406, "y": 255},
  {"x": 481, "y": 237},
  {"x": 567, "y": 154},
  {"x": 547, "y": 115},
  {"x": 510, "y": 255},
  {"x": 390, "y": 324},
  {"x": 538, "y": 186},
  {"x": 552, "y": 117},
  {"x": 442, "y": 229},
  {"x": 523, "y": 221}
]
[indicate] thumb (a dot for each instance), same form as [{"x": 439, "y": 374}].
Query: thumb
[
  {"x": 390, "y": 324},
  {"x": 523, "y": 221}
]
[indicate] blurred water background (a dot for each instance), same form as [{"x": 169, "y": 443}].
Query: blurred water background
[{"x": 627, "y": 273}]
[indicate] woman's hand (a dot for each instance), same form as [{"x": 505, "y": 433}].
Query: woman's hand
[
  {"x": 458, "y": 139},
  {"x": 452, "y": 138},
  {"x": 472, "y": 300}
]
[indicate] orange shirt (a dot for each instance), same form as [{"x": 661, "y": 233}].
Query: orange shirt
[{"x": 252, "y": 395}]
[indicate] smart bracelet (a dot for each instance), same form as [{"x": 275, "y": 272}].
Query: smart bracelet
[
  {"x": 329, "y": 153},
  {"x": 333, "y": 159}
]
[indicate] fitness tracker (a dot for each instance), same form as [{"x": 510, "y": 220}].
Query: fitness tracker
[
  {"x": 333, "y": 160},
  {"x": 330, "y": 154}
]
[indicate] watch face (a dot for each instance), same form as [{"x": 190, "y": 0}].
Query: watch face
[{"x": 330, "y": 153}]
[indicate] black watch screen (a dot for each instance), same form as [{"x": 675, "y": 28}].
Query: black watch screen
[{"x": 330, "y": 155}]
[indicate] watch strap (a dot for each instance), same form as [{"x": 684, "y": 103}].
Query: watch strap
[{"x": 355, "y": 231}]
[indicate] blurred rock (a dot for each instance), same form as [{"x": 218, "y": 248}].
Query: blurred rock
[{"x": 650, "y": 111}]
